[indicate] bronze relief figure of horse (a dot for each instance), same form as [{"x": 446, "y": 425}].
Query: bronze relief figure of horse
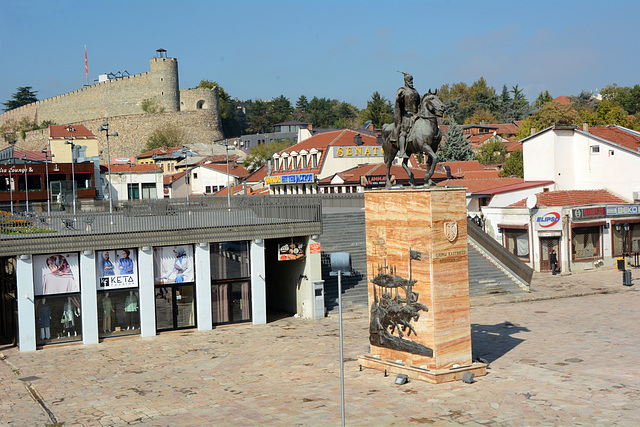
[{"x": 424, "y": 137}]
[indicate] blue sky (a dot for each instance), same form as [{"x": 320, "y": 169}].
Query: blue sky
[{"x": 336, "y": 49}]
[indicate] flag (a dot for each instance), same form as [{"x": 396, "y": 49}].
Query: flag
[{"x": 86, "y": 64}]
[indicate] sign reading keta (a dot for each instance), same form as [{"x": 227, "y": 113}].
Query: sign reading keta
[{"x": 419, "y": 323}]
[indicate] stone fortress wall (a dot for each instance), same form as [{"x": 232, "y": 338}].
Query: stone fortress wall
[{"x": 195, "y": 111}]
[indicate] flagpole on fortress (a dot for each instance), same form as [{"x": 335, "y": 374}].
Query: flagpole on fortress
[{"x": 86, "y": 66}]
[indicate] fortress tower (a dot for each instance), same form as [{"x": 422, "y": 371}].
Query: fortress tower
[{"x": 163, "y": 81}]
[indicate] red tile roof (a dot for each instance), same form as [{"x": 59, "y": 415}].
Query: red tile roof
[
  {"x": 456, "y": 167},
  {"x": 563, "y": 99},
  {"x": 258, "y": 175},
  {"x": 572, "y": 198},
  {"x": 352, "y": 176},
  {"x": 159, "y": 152},
  {"x": 487, "y": 173},
  {"x": 169, "y": 179},
  {"x": 237, "y": 171},
  {"x": 513, "y": 187},
  {"x": 62, "y": 132},
  {"x": 135, "y": 168},
  {"x": 506, "y": 128},
  {"x": 616, "y": 135},
  {"x": 35, "y": 156},
  {"x": 476, "y": 185}
]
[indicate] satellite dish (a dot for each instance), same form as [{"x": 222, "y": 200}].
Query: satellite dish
[{"x": 532, "y": 201}]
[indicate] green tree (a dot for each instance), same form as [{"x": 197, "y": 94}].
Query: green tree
[
  {"x": 543, "y": 99},
  {"x": 479, "y": 116},
  {"x": 151, "y": 106},
  {"x": 321, "y": 112},
  {"x": 347, "y": 116},
  {"x": 263, "y": 152},
  {"x": 631, "y": 101},
  {"x": 168, "y": 135},
  {"x": 614, "y": 93},
  {"x": 504, "y": 96},
  {"x": 279, "y": 110},
  {"x": 456, "y": 146},
  {"x": 300, "y": 112},
  {"x": 231, "y": 125},
  {"x": 514, "y": 166},
  {"x": 379, "y": 110},
  {"x": 23, "y": 96},
  {"x": 492, "y": 152},
  {"x": 258, "y": 120},
  {"x": 550, "y": 114}
]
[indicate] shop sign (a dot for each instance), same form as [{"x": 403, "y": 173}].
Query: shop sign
[
  {"x": 290, "y": 179},
  {"x": 375, "y": 180},
  {"x": 16, "y": 169},
  {"x": 290, "y": 251},
  {"x": 314, "y": 248},
  {"x": 358, "y": 151},
  {"x": 584, "y": 213},
  {"x": 117, "y": 269},
  {"x": 623, "y": 210},
  {"x": 548, "y": 219},
  {"x": 123, "y": 160}
]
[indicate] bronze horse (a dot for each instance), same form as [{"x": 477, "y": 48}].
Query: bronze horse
[{"x": 425, "y": 137}]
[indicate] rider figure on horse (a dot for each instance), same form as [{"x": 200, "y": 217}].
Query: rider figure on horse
[{"x": 405, "y": 114}]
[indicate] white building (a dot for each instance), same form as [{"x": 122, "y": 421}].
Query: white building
[
  {"x": 206, "y": 179},
  {"x": 597, "y": 157},
  {"x": 131, "y": 181}
]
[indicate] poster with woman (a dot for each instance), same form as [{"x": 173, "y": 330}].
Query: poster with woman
[
  {"x": 56, "y": 274},
  {"x": 117, "y": 269},
  {"x": 173, "y": 264}
]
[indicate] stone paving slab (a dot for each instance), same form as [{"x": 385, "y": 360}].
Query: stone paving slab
[{"x": 558, "y": 360}]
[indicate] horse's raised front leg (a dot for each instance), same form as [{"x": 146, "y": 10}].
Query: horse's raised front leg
[
  {"x": 432, "y": 167},
  {"x": 406, "y": 167}
]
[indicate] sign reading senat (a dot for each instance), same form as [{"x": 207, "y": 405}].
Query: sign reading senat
[{"x": 360, "y": 151}]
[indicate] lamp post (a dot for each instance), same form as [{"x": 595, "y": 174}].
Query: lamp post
[
  {"x": 11, "y": 189},
  {"x": 105, "y": 128},
  {"x": 26, "y": 186},
  {"x": 186, "y": 175},
  {"x": 131, "y": 192},
  {"x": 73, "y": 172},
  {"x": 45, "y": 151},
  {"x": 226, "y": 147}
]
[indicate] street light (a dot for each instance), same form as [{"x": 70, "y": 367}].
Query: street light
[
  {"x": 130, "y": 192},
  {"x": 186, "y": 175},
  {"x": 105, "y": 128},
  {"x": 73, "y": 172},
  {"x": 45, "y": 151},
  {"x": 226, "y": 147},
  {"x": 26, "y": 186}
]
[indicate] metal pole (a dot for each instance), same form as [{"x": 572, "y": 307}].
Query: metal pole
[
  {"x": 109, "y": 170},
  {"x": 341, "y": 344},
  {"x": 130, "y": 182},
  {"x": 73, "y": 178},
  {"x": 26, "y": 186},
  {"x": 46, "y": 165},
  {"x": 226, "y": 146},
  {"x": 11, "y": 189}
]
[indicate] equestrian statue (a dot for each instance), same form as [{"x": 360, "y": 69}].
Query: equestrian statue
[{"x": 414, "y": 129}]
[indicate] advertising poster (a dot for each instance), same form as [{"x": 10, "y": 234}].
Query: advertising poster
[
  {"x": 56, "y": 274},
  {"x": 117, "y": 269},
  {"x": 173, "y": 264},
  {"x": 290, "y": 251}
]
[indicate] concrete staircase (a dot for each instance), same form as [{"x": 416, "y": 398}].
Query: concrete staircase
[
  {"x": 344, "y": 231},
  {"x": 488, "y": 278}
]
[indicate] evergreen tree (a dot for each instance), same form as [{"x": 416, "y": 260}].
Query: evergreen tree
[
  {"x": 23, "y": 96},
  {"x": 379, "y": 111},
  {"x": 258, "y": 117},
  {"x": 300, "y": 112},
  {"x": 456, "y": 146},
  {"x": 280, "y": 110},
  {"x": 543, "y": 98}
]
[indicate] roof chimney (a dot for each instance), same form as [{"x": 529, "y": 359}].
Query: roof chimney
[
  {"x": 533, "y": 131},
  {"x": 585, "y": 127}
]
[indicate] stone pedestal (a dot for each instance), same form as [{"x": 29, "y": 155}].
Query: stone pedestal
[{"x": 419, "y": 284}]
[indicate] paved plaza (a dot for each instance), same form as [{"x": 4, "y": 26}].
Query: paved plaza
[{"x": 566, "y": 354}]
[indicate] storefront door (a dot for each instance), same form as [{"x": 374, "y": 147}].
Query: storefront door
[
  {"x": 175, "y": 307},
  {"x": 546, "y": 245}
]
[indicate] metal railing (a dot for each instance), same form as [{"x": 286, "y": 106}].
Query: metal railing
[{"x": 158, "y": 222}]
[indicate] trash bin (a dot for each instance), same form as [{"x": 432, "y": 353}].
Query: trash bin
[
  {"x": 318, "y": 299},
  {"x": 626, "y": 278}
]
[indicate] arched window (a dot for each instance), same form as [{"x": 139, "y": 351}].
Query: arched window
[{"x": 200, "y": 105}]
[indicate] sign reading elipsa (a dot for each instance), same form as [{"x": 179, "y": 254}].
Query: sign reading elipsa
[{"x": 547, "y": 220}]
